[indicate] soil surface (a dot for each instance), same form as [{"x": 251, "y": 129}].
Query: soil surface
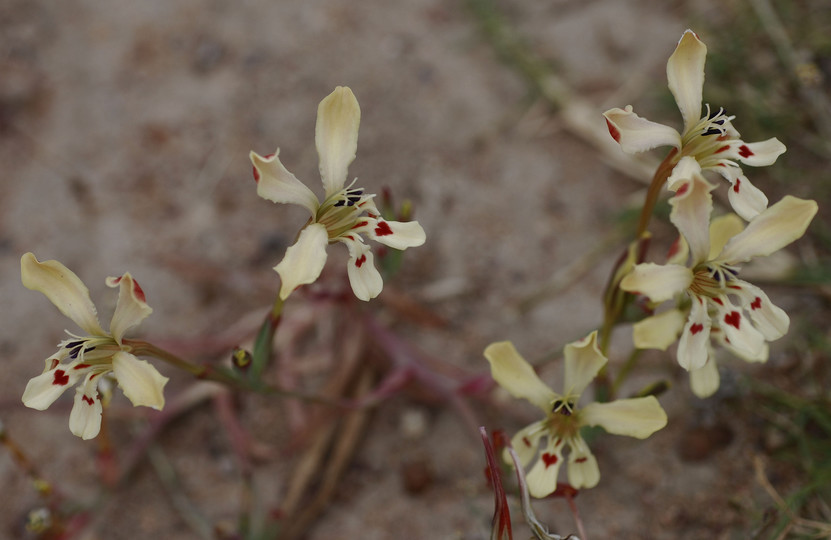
[{"x": 125, "y": 129}]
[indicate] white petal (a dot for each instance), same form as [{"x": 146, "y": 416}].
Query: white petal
[
  {"x": 85, "y": 418},
  {"x": 526, "y": 442},
  {"x": 684, "y": 170},
  {"x": 685, "y": 74},
  {"x": 304, "y": 261},
  {"x": 63, "y": 288},
  {"x": 542, "y": 478},
  {"x": 771, "y": 230},
  {"x": 364, "y": 278},
  {"x": 131, "y": 308},
  {"x": 769, "y": 319},
  {"x": 583, "y": 360},
  {"x": 738, "y": 331},
  {"x": 746, "y": 199},
  {"x": 659, "y": 331},
  {"x": 583, "y": 472},
  {"x": 758, "y": 154},
  {"x": 336, "y": 136},
  {"x": 141, "y": 383},
  {"x": 704, "y": 381},
  {"x": 398, "y": 235},
  {"x": 722, "y": 229},
  {"x": 694, "y": 344},
  {"x": 276, "y": 184},
  {"x": 510, "y": 370},
  {"x": 691, "y": 209},
  {"x": 636, "y": 134},
  {"x": 43, "y": 390},
  {"x": 760, "y": 357},
  {"x": 657, "y": 282},
  {"x": 635, "y": 417}
]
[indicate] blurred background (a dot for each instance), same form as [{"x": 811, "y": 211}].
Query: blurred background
[{"x": 125, "y": 129}]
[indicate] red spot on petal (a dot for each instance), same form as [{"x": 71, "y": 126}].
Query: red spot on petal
[
  {"x": 674, "y": 248},
  {"x": 613, "y": 131},
  {"x": 734, "y": 319},
  {"x": 383, "y": 229},
  {"x": 745, "y": 152},
  {"x": 696, "y": 328},
  {"x": 526, "y": 442},
  {"x": 581, "y": 460},
  {"x": 359, "y": 224},
  {"x": 360, "y": 261},
  {"x": 756, "y": 304},
  {"x": 256, "y": 174},
  {"x": 549, "y": 459},
  {"x": 55, "y": 363},
  {"x": 722, "y": 149},
  {"x": 683, "y": 189},
  {"x": 738, "y": 288},
  {"x": 138, "y": 291},
  {"x": 736, "y": 185},
  {"x": 81, "y": 366},
  {"x": 88, "y": 400},
  {"x": 718, "y": 301},
  {"x": 61, "y": 378}
]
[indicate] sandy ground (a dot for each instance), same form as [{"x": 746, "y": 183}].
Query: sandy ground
[{"x": 124, "y": 134}]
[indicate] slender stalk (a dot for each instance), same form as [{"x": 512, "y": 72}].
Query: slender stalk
[
  {"x": 263, "y": 343},
  {"x": 658, "y": 181},
  {"x": 626, "y": 369},
  {"x": 220, "y": 375},
  {"x": 615, "y": 298}
]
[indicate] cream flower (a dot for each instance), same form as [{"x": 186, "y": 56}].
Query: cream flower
[
  {"x": 344, "y": 215},
  {"x": 709, "y": 279},
  {"x": 91, "y": 357},
  {"x": 710, "y": 138},
  {"x": 636, "y": 417}
]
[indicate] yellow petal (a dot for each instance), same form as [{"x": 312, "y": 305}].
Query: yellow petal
[
  {"x": 304, "y": 261},
  {"x": 635, "y": 417},
  {"x": 514, "y": 374},
  {"x": 141, "y": 382},
  {"x": 63, "y": 288},
  {"x": 336, "y": 136},
  {"x": 131, "y": 308}
]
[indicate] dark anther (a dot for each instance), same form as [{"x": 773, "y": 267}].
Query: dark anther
[
  {"x": 340, "y": 203},
  {"x": 74, "y": 352},
  {"x": 562, "y": 407},
  {"x": 73, "y": 344},
  {"x": 711, "y": 131}
]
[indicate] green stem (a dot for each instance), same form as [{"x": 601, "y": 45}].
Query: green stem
[
  {"x": 627, "y": 367},
  {"x": 263, "y": 343},
  {"x": 219, "y": 374}
]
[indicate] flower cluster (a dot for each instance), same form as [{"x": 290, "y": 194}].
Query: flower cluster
[
  {"x": 542, "y": 442},
  {"x": 705, "y": 272},
  {"x": 345, "y": 213},
  {"x": 92, "y": 358},
  {"x": 702, "y": 274}
]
